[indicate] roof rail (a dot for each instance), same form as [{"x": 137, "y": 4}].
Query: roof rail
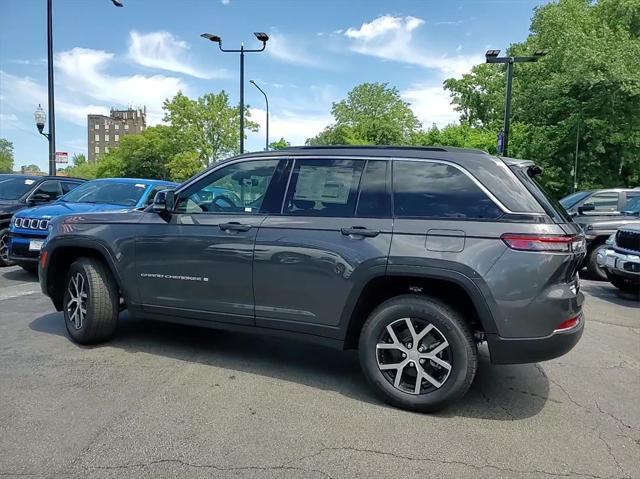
[{"x": 365, "y": 147}]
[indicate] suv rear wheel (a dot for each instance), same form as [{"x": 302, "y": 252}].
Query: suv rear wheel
[
  {"x": 90, "y": 302},
  {"x": 418, "y": 353},
  {"x": 593, "y": 268}
]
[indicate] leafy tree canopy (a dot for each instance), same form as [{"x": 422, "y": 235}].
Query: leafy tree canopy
[{"x": 6, "y": 156}]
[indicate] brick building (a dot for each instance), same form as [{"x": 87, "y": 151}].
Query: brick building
[{"x": 104, "y": 132}]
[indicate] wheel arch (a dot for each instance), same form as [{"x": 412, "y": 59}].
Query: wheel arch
[
  {"x": 469, "y": 296},
  {"x": 64, "y": 254}
]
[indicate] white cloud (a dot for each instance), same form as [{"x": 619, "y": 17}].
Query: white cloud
[
  {"x": 81, "y": 71},
  {"x": 164, "y": 51},
  {"x": 23, "y": 94},
  {"x": 294, "y": 127},
  {"x": 284, "y": 49},
  {"x": 431, "y": 104},
  {"x": 392, "y": 38},
  {"x": 225, "y": 2}
]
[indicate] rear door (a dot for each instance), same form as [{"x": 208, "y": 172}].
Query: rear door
[{"x": 333, "y": 233}]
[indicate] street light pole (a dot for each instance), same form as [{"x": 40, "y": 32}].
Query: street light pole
[
  {"x": 261, "y": 36},
  {"x": 492, "y": 57},
  {"x": 52, "y": 114},
  {"x": 266, "y": 100}
]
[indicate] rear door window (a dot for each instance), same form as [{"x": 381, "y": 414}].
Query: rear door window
[
  {"x": 50, "y": 188},
  {"x": 604, "y": 202},
  {"x": 374, "y": 200},
  {"x": 323, "y": 188},
  {"x": 424, "y": 189}
]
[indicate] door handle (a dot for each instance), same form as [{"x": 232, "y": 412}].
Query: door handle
[
  {"x": 234, "y": 226},
  {"x": 360, "y": 231}
]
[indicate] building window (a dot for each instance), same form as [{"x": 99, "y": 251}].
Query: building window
[
  {"x": 126, "y": 126},
  {"x": 106, "y": 149},
  {"x": 106, "y": 137},
  {"x": 97, "y": 149},
  {"x": 116, "y": 137},
  {"x": 117, "y": 126},
  {"x": 97, "y": 137},
  {"x": 96, "y": 126}
]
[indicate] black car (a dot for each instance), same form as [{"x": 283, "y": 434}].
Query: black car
[{"x": 21, "y": 191}]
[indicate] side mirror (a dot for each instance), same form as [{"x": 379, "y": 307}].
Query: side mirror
[
  {"x": 38, "y": 198},
  {"x": 164, "y": 201},
  {"x": 586, "y": 207}
]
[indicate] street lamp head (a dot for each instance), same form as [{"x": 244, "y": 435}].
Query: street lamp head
[
  {"x": 492, "y": 53},
  {"x": 117, "y": 3},
  {"x": 261, "y": 36},
  {"x": 40, "y": 117},
  {"x": 540, "y": 53},
  {"x": 251, "y": 81},
  {"x": 213, "y": 38}
]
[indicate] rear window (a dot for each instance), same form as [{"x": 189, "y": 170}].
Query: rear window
[{"x": 552, "y": 207}]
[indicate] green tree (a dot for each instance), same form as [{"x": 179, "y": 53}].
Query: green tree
[
  {"x": 281, "y": 144},
  {"x": 208, "y": 125},
  {"x": 372, "y": 113},
  {"x": 6, "y": 156},
  {"x": 34, "y": 169},
  {"x": 78, "y": 159},
  {"x": 587, "y": 87},
  {"x": 184, "y": 165}
]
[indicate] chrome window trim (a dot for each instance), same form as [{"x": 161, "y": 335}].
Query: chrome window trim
[{"x": 477, "y": 182}]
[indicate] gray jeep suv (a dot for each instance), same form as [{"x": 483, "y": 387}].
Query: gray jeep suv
[{"x": 411, "y": 255}]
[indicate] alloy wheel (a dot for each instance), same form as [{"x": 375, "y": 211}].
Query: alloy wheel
[
  {"x": 77, "y": 304},
  {"x": 4, "y": 248},
  {"x": 414, "y": 356}
]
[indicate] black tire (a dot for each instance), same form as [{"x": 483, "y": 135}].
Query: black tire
[
  {"x": 4, "y": 247},
  {"x": 595, "y": 271},
  {"x": 461, "y": 352},
  {"x": 101, "y": 303},
  {"x": 625, "y": 285}
]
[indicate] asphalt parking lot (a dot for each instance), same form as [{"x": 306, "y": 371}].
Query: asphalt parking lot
[{"x": 166, "y": 400}]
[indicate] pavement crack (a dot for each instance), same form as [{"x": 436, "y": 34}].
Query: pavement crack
[
  {"x": 500, "y": 406},
  {"x": 477, "y": 467},
  {"x": 621, "y": 424},
  {"x": 282, "y": 467},
  {"x": 610, "y": 451}
]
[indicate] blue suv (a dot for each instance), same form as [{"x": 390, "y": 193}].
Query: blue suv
[{"x": 30, "y": 227}]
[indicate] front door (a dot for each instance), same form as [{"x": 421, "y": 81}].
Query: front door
[{"x": 198, "y": 262}]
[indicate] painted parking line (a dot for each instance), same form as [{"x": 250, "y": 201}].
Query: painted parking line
[{"x": 18, "y": 290}]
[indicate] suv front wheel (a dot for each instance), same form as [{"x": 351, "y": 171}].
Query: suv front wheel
[
  {"x": 418, "y": 353},
  {"x": 90, "y": 302}
]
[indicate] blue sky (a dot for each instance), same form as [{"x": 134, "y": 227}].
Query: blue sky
[{"x": 319, "y": 50}]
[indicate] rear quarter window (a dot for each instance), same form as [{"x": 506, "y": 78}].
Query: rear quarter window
[{"x": 424, "y": 189}]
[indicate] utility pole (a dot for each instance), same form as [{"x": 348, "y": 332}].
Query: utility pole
[
  {"x": 491, "y": 56},
  {"x": 52, "y": 114}
]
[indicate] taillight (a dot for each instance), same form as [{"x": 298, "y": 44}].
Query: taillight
[
  {"x": 568, "y": 324},
  {"x": 43, "y": 259},
  {"x": 544, "y": 243}
]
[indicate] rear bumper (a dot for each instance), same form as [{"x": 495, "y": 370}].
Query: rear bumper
[{"x": 533, "y": 350}]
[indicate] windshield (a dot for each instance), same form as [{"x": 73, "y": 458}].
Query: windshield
[
  {"x": 110, "y": 192},
  {"x": 14, "y": 188},
  {"x": 573, "y": 199},
  {"x": 633, "y": 206}
]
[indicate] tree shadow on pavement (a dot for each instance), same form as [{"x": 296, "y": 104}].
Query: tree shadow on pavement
[{"x": 498, "y": 392}]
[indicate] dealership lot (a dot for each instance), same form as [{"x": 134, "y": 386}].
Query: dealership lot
[{"x": 165, "y": 400}]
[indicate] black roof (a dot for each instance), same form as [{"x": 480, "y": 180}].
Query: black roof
[{"x": 390, "y": 152}]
